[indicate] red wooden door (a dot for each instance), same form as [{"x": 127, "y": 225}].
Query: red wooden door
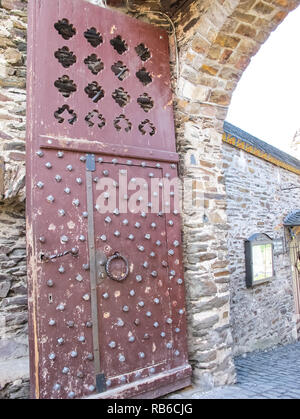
[{"x": 106, "y": 293}]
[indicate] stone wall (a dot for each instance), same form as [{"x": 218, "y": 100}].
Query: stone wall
[
  {"x": 262, "y": 316},
  {"x": 13, "y": 291}
]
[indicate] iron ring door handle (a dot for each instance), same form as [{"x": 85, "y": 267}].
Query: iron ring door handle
[{"x": 107, "y": 267}]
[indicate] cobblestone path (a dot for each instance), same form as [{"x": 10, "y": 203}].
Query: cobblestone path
[{"x": 274, "y": 374}]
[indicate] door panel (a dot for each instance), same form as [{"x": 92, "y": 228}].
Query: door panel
[
  {"x": 123, "y": 121},
  {"x": 63, "y": 312},
  {"x": 100, "y": 110},
  {"x": 136, "y": 313}
]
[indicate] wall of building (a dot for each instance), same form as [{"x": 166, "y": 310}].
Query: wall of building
[
  {"x": 262, "y": 316},
  {"x": 217, "y": 40}
]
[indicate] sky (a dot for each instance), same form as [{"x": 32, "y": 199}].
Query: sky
[{"x": 266, "y": 102}]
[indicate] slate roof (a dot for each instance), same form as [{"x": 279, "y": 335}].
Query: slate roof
[
  {"x": 261, "y": 145},
  {"x": 293, "y": 219}
]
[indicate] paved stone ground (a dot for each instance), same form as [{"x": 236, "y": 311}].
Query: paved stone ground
[{"x": 273, "y": 374}]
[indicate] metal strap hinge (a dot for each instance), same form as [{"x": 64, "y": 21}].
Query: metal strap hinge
[{"x": 90, "y": 162}]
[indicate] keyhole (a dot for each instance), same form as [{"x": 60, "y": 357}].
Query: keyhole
[{"x": 50, "y": 298}]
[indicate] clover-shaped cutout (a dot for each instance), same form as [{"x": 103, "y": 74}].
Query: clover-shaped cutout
[
  {"x": 145, "y": 101},
  {"x": 146, "y": 127},
  {"x": 119, "y": 44},
  {"x": 144, "y": 76},
  {"x": 122, "y": 123},
  {"x": 65, "y": 85},
  {"x": 65, "y": 57},
  {"x": 120, "y": 70},
  {"x": 70, "y": 114},
  {"x": 65, "y": 29},
  {"x": 121, "y": 97},
  {"x": 93, "y": 37},
  {"x": 94, "y": 117},
  {"x": 94, "y": 64},
  {"x": 94, "y": 91},
  {"x": 143, "y": 52}
]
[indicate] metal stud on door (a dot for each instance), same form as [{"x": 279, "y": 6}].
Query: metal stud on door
[{"x": 107, "y": 310}]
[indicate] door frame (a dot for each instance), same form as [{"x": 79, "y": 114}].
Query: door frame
[{"x": 294, "y": 249}]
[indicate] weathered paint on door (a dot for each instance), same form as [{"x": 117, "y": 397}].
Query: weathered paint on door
[{"x": 106, "y": 292}]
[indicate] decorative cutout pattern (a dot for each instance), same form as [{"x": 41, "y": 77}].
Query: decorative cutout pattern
[
  {"x": 119, "y": 44},
  {"x": 144, "y": 76},
  {"x": 122, "y": 123},
  {"x": 95, "y": 115},
  {"x": 93, "y": 37},
  {"x": 94, "y": 64},
  {"x": 65, "y": 85},
  {"x": 94, "y": 91},
  {"x": 146, "y": 127},
  {"x": 145, "y": 101},
  {"x": 121, "y": 97},
  {"x": 143, "y": 52},
  {"x": 71, "y": 115},
  {"x": 65, "y": 29},
  {"x": 65, "y": 57},
  {"x": 120, "y": 70}
]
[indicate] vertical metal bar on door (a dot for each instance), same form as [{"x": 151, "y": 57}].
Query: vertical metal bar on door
[{"x": 90, "y": 167}]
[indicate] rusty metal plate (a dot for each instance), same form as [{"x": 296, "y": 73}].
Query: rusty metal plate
[{"x": 106, "y": 292}]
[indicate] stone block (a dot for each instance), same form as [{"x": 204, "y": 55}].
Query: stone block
[
  {"x": 220, "y": 97},
  {"x": 11, "y": 349},
  {"x": 203, "y": 380},
  {"x": 13, "y": 4},
  {"x": 282, "y": 3},
  {"x": 209, "y": 304},
  {"x": 13, "y": 370},
  {"x": 229, "y": 73},
  {"x": 207, "y": 256},
  {"x": 227, "y": 41},
  {"x": 195, "y": 92},
  {"x": 16, "y": 319},
  {"x": 2, "y": 170},
  {"x": 244, "y": 17},
  {"x": 214, "y": 53},
  {"x": 15, "y": 301},
  {"x": 246, "y": 30},
  {"x": 5, "y": 42},
  {"x": 202, "y": 321},
  {"x": 263, "y": 8},
  {"x": 14, "y": 145},
  {"x": 4, "y": 288},
  {"x": 200, "y": 45},
  {"x": 13, "y": 56},
  {"x": 17, "y": 156},
  {"x": 206, "y": 356},
  {"x": 211, "y": 70},
  {"x": 202, "y": 288},
  {"x": 278, "y": 18},
  {"x": 225, "y": 56}
]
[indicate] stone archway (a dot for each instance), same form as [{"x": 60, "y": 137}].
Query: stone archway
[{"x": 216, "y": 43}]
